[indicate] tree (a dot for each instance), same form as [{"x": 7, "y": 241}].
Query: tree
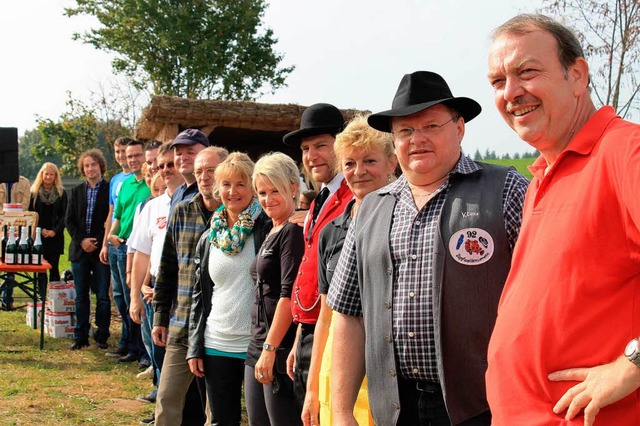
[
  {"x": 608, "y": 31},
  {"x": 188, "y": 48},
  {"x": 29, "y": 163},
  {"x": 76, "y": 130}
]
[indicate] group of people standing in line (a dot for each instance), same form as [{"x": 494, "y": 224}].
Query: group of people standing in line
[{"x": 388, "y": 299}]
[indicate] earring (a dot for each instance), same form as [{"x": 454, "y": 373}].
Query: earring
[{"x": 389, "y": 178}]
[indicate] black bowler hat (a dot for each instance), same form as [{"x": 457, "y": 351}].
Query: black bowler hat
[
  {"x": 419, "y": 91},
  {"x": 318, "y": 119}
]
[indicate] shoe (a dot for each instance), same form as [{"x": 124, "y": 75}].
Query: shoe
[
  {"x": 78, "y": 344},
  {"x": 117, "y": 353},
  {"x": 146, "y": 374},
  {"x": 102, "y": 345},
  {"x": 144, "y": 364},
  {"x": 149, "y": 420},
  {"x": 128, "y": 358},
  {"x": 150, "y": 398}
]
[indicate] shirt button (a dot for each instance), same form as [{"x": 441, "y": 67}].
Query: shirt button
[
  {"x": 296, "y": 316},
  {"x": 392, "y": 373},
  {"x": 309, "y": 246},
  {"x": 299, "y": 272},
  {"x": 412, "y": 334},
  {"x": 418, "y": 222},
  {"x": 415, "y": 371},
  {"x": 396, "y": 405},
  {"x": 389, "y": 271},
  {"x": 387, "y": 305},
  {"x": 295, "y": 302},
  {"x": 388, "y": 339},
  {"x": 411, "y": 294},
  {"x": 414, "y": 257}
]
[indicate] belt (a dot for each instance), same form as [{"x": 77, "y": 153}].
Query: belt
[{"x": 429, "y": 387}]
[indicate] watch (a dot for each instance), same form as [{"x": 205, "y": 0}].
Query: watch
[
  {"x": 267, "y": 347},
  {"x": 632, "y": 351}
]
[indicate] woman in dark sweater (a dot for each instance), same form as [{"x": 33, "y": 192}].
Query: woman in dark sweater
[{"x": 49, "y": 200}]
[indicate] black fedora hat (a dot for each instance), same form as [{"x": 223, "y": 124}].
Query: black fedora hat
[
  {"x": 419, "y": 91},
  {"x": 318, "y": 119}
]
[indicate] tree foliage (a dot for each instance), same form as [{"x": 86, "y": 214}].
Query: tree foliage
[
  {"x": 609, "y": 32},
  {"x": 76, "y": 130},
  {"x": 188, "y": 48}
]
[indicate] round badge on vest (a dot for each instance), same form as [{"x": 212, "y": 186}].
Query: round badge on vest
[{"x": 471, "y": 246}]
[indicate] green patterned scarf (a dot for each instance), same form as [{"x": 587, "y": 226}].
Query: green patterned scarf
[{"x": 231, "y": 240}]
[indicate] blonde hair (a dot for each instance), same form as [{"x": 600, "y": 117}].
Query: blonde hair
[
  {"x": 154, "y": 179},
  {"x": 358, "y": 134},
  {"x": 281, "y": 170},
  {"x": 236, "y": 164},
  {"x": 57, "y": 183}
]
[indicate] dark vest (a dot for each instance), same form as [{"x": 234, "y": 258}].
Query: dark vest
[{"x": 466, "y": 295}]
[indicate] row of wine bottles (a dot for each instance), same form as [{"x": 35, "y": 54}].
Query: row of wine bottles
[{"x": 23, "y": 251}]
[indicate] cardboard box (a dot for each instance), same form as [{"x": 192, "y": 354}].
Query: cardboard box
[
  {"x": 29, "y": 316},
  {"x": 60, "y": 331},
  {"x": 61, "y": 290},
  {"x": 57, "y": 319},
  {"x": 61, "y": 305}
]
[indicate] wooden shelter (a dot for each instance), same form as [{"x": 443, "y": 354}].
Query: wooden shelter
[{"x": 251, "y": 127}]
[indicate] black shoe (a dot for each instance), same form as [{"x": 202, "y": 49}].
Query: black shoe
[
  {"x": 150, "y": 398},
  {"x": 102, "y": 345},
  {"x": 78, "y": 344},
  {"x": 128, "y": 358},
  {"x": 144, "y": 364},
  {"x": 149, "y": 421},
  {"x": 117, "y": 353}
]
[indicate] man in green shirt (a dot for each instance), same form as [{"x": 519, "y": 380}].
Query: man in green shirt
[{"x": 134, "y": 190}]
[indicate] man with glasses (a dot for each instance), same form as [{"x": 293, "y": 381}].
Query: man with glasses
[
  {"x": 422, "y": 269},
  {"x": 172, "y": 295},
  {"x": 133, "y": 191}
]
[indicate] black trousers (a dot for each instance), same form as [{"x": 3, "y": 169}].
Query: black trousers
[
  {"x": 422, "y": 404},
  {"x": 224, "y": 376},
  {"x": 303, "y": 362}
]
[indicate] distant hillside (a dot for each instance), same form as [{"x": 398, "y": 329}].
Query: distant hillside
[{"x": 520, "y": 165}]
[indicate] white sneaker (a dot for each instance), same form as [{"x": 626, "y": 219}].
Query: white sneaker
[{"x": 146, "y": 374}]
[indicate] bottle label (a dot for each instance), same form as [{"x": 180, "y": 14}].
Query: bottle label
[
  {"x": 36, "y": 259},
  {"x": 10, "y": 259}
]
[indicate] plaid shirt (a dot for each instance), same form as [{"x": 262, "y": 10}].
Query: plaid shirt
[
  {"x": 174, "y": 283},
  {"x": 92, "y": 194},
  {"x": 412, "y": 244}
]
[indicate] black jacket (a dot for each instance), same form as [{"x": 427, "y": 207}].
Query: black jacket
[
  {"x": 76, "y": 216},
  {"x": 203, "y": 286}
]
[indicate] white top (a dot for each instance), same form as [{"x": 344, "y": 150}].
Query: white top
[
  {"x": 229, "y": 323},
  {"x": 149, "y": 230}
]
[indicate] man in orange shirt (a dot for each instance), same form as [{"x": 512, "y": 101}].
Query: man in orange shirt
[{"x": 570, "y": 305}]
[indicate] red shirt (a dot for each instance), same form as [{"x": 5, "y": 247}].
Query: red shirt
[
  {"x": 572, "y": 298},
  {"x": 305, "y": 298}
]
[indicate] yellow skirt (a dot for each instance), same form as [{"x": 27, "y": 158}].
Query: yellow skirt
[{"x": 361, "y": 411}]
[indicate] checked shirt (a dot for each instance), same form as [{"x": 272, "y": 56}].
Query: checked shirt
[{"x": 412, "y": 241}]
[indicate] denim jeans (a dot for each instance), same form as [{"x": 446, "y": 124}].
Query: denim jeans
[
  {"x": 89, "y": 269},
  {"x": 121, "y": 294},
  {"x": 156, "y": 353}
]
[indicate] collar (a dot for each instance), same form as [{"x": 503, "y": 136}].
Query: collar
[
  {"x": 582, "y": 143},
  {"x": 344, "y": 219},
  {"x": 334, "y": 184}
]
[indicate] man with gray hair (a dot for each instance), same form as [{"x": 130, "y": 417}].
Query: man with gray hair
[{"x": 570, "y": 304}]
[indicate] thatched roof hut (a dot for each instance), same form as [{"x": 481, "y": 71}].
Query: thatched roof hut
[{"x": 251, "y": 127}]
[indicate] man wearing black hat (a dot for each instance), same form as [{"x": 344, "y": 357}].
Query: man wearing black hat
[
  {"x": 186, "y": 147},
  {"x": 422, "y": 269},
  {"x": 319, "y": 125}
]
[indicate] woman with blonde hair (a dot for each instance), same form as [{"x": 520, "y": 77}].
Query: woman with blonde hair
[
  {"x": 366, "y": 158},
  {"x": 49, "y": 200}
]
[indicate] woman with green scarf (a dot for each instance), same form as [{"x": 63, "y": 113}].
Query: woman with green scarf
[{"x": 220, "y": 319}]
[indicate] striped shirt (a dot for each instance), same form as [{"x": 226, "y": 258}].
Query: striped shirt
[
  {"x": 92, "y": 195},
  {"x": 412, "y": 244},
  {"x": 174, "y": 283}
]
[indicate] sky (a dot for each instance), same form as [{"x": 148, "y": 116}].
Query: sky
[{"x": 348, "y": 53}]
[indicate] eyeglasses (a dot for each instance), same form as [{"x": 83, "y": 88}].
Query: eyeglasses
[
  {"x": 132, "y": 156},
  {"x": 209, "y": 171},
  {"x": 428, "y": 130},
  {"x": 168, "y": 165}
]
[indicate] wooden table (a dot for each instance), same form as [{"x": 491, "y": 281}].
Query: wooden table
[{"x": 32, "y": 280}]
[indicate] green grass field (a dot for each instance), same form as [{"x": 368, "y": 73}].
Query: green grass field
[{"x": 520, "y": 165}]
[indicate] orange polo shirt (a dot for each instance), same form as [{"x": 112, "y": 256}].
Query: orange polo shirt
[{"x": 572, "y": 298}]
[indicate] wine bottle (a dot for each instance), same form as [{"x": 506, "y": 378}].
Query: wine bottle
[
  {"x": 24, "y": 251},
  {"x": 37, "y": 250},
  {"x": 4, "y": 242},
  {"x": 29, "y": 239},
  {"x": 12, "y": 247}
]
